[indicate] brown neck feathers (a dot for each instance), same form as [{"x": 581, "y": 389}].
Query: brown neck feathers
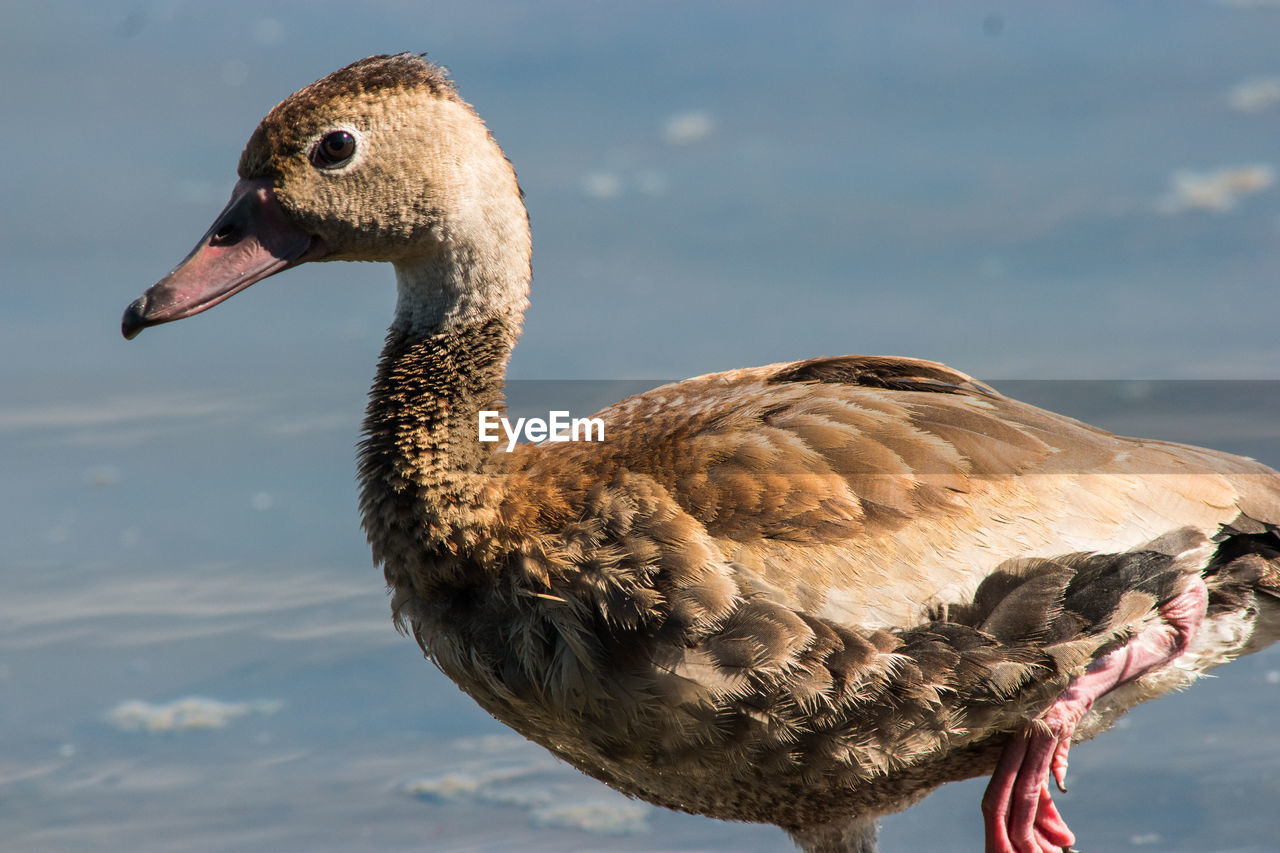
[{"x": 421, "y": 486}]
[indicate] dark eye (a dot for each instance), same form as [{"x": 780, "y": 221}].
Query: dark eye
[{"x": 334, "y": 149}]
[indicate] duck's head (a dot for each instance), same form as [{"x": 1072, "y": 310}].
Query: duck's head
[{"x": 380, "y": 161}]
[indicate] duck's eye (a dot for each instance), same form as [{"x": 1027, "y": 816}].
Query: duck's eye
[{"x": 334, "y": 149}]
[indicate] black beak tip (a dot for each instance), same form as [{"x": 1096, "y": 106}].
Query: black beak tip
[{"x": 134, "y": 320}]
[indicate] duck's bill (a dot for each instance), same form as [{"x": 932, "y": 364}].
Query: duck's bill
[{"x": 250, "y": 240}]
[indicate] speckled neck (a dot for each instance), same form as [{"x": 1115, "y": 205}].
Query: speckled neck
[{"x": 421, "y": 488}]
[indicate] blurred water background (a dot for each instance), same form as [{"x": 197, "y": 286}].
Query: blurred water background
[{"x": 195, "y": 651}]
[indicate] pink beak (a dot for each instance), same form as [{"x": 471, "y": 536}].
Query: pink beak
[{"x": 250, "y": 240}]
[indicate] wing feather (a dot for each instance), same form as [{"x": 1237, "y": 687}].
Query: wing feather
[{"x": 889, "y": 485}]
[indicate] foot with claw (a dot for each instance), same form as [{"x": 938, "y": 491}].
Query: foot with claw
[{"x": 1017, "y": 811}]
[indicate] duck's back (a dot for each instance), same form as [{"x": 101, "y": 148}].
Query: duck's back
[{"x": 873, "y": 490}]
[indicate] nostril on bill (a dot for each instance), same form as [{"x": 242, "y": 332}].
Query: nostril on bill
[{"x": 225, "y": 234}]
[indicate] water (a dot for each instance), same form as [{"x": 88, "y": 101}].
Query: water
[{"x": 195, "y": 652}]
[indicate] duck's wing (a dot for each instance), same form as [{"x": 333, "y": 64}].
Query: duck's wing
[{"x": 875, "y": 490}]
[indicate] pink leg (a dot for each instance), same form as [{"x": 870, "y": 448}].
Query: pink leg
[{"x": 1018, "y": 814}]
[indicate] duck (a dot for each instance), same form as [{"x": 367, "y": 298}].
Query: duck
[{"x": 805, "y": 594}]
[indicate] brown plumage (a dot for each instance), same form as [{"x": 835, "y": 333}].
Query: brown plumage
[{"x": 805, "y": 594}]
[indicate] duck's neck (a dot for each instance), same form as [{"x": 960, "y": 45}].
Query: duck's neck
[{"x": 445, "y": 359}]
